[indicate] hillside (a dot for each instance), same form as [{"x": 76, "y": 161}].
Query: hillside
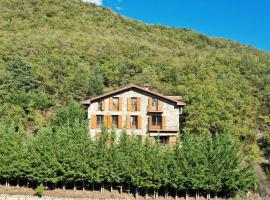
[{"x": 55, "y": 51}]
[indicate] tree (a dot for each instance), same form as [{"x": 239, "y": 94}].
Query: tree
[
  {"x": 21, "y": 76},
  {"x": 13, "y": 160},
  {"x": 42, "y": 153}
]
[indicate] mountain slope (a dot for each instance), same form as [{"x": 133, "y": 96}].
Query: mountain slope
[{"x": 74, "y": 50}]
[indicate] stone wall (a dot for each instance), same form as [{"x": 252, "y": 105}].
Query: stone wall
[{"x": 169, "y": 110}]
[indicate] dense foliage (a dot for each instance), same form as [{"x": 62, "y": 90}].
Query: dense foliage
[
  {"x": 52, "y": 52},
  {"x": 64, "y": 155}
]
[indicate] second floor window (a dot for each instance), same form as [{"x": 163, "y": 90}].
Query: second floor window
[
  {"x": 100, "y": 105},
  {"x": 154, "y": 103},
  {"x": 115, "y": 121},
  {"x": 100, "y": 120},
  {"x": 116, "y": 101},
  {"x": 134, "y": 103}
]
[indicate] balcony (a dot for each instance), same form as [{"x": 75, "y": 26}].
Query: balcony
[
  {"x": 160, "y": 128},
  {"x": 155, "y": 109}
]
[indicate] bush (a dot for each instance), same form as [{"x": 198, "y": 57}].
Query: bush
[{"x": 39, "y": 191}]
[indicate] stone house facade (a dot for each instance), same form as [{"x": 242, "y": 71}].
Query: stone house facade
[{"x": 138, "y": 110}]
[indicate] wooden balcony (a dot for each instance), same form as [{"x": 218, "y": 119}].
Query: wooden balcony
[
  {"x": 154, "y": 109},
  {"x": 160, "y": 128}
]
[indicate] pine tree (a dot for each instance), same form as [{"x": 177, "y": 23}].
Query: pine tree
[
  {"x": 42, "y": 154},
  {"x": 13, "y": 159}
]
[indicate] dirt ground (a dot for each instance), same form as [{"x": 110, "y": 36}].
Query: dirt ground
[{"x": 97, "y": 194}]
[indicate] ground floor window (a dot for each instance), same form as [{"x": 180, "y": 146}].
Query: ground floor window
[
  {"x": 100, "y": 120},
  {"x": 115, "y": 121},
  {"x": 134, "y": 121},
  {"x": 163, "y": 139}
]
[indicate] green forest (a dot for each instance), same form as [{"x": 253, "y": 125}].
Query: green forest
[
  {"x": 63, "y": 155},
  {"x": 54, "y": 52}
]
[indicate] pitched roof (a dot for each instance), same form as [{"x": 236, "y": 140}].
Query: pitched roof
[{"x": 175, "y": 99}]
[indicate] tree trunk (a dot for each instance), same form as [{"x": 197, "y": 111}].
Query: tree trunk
[
  {"x": 102, "y": 188},
  {"x": 64, "y": 186},
  {"x": 111, "y": 188},
  {"x": 121, "y": 189},
  {"x": 186, "y": 198},
  {"x": 176, "y": 195},
  {"x": 166, "y": 193},
  {"x": 129, "y": 188},
  {"x": 83, "y": 185},
  {"x": 27, "y": 183},
  {"x": 208, "y": 196},
  {"x": 196, "y": 195},
  {"x": 154, "y": 193},
  {"x": 157, "y": 194},
  {"x": 136, "y": 193},
  {"x": 146, "y": 194},
  {"x": 215, "y": 195},
  {"x": 18, "y": 183},
  {"x": 93, "y": 187},
  {"x": 74, "y": 186}
]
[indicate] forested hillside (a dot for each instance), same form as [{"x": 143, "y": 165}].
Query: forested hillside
[{"x": 56, "y": 51}]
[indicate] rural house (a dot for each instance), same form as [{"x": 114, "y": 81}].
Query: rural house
[{"x": 137, "y": 109}]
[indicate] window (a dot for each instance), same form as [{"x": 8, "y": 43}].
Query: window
[
  {"x": 115, "y": 121},
  {"x": 134, "y": 122},
  {"x": 116, "y": 101},
  {"x": 156, "y": 120},
  {"x": 163, "y": 139},
  {"x": 133, "y": 103},
  {"x": 155, "y": 103},
  {"x": 100, "y": 120},
  {"x": 100, "y": 105}
]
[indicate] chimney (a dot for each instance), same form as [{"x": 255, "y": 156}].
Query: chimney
[{"x": 146, "y": 86}]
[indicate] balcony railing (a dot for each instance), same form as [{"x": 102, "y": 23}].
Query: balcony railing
[
  {"x": 154, "y": 109},
  {"x": 160, "y": 128}
]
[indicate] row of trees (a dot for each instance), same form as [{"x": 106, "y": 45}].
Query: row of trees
[{"x": 62, "y": 153}]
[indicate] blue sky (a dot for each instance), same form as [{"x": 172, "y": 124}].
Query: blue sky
[{"x": 245, "y": 21}]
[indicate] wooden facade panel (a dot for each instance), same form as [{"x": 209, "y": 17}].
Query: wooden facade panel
[
  {"x": 139, "y": 122},
  {"x": 160, "y": 105},
  {"x": 150, "y": 104},
  {"x": 109, "y": 121},
  {"x": 94, "y": 121},
  {"x": 111, "y": 103},
  {"x": 128, "y": 122},
  {"x": 120, "y": 103},
  {"x": 129, "y": 104},
  {"x": 164, "y": 122},
  {"x": 138, "y": 103},
  {"x": 120, "y": 121}
]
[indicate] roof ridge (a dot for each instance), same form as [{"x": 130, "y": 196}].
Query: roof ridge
[{"x": 88, "y": 101}]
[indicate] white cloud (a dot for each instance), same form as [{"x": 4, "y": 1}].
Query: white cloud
[{"x": 97, "y": 2}]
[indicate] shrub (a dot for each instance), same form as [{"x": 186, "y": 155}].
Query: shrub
[{"x": 39, "y": 191}]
